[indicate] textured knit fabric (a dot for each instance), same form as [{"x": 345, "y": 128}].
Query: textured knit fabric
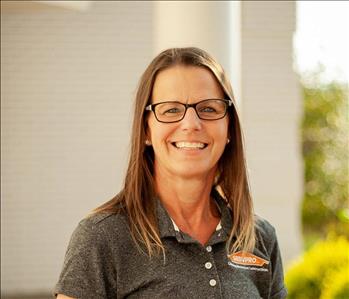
[{"x": 102, "y": 261}]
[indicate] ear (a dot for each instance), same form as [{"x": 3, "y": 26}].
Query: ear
[
  {"x": 229, "y": 129},
  {"x": 147, "y": 132},
  {"x": 147, "y": 139}
]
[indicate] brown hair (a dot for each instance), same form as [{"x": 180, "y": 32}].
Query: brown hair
[{"x": 137, "y": 198}]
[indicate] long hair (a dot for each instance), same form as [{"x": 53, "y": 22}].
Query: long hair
[{"x": 137, "y": 198}]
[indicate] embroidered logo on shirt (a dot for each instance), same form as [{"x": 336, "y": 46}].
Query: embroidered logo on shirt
[{"x": 246, "y": 260}]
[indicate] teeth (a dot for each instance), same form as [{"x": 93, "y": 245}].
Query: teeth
[{"x": 183, "y": 144}]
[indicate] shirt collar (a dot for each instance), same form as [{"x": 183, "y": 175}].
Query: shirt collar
[{"x": 168, "y": 228}]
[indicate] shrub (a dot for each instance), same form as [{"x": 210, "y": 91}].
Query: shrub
[
  {"x": 337, "y": 287},
  {"x": 321, "y": 271}
]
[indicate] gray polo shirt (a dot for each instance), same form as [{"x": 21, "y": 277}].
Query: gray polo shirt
[{"x": 102, "y": 261}]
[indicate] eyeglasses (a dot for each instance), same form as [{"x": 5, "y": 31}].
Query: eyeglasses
[{"x": 172, "y": 111}]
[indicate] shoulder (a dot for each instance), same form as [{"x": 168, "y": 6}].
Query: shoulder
[
  {"x": 264, "y": 228},
  {"x": 103, "y": 220},
  {"x": 100, "y": 229},
  {"x": 89, "y": 263},
  {"x": 265, "y": 234}
]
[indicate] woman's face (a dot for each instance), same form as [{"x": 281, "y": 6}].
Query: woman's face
[{"x": 191, "y": 147}]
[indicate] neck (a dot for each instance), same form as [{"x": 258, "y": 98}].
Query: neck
[{"x": 187, "y": 200}]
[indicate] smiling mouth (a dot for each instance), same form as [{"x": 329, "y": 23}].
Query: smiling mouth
[{"x": 189, "y": 145}]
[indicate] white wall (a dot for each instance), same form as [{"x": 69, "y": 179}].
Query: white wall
[{"x": 67, "y": 83}]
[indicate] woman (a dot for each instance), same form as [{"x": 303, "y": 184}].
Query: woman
[{"x": 183, "y": 225}]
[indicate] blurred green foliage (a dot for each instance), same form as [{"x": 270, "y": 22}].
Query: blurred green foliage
[
  {"x": 322, "y": 272},
  {"x": 325, "y": 139}
]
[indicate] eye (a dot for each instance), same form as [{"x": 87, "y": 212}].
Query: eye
[
  {"x": 172, "y": 110},
  {"x": 208, "y": 109},
  {"x": 169, "y": 109}
]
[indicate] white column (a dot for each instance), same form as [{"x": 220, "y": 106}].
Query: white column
[
  {"x": 212, "y": 26},
  {"x": 272, "y": 110}
]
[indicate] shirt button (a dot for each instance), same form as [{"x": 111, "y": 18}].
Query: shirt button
[
  {"x": 213, "y": 282},
  {"x": 209, "y": 248},
  {"x": 208, "y": 265}
]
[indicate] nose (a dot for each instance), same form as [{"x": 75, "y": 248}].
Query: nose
[{"x": 191, "y": 120}]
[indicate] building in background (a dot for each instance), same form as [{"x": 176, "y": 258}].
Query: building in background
[{"x": 69, "y": 71}]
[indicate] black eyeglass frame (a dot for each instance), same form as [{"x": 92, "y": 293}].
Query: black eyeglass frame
[{"x": 151, "y": 107}]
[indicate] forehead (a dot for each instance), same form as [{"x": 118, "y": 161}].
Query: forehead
[{"x": 186, "y": 83}]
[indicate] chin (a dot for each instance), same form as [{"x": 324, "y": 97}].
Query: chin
[{"x": 193, "y": 171}]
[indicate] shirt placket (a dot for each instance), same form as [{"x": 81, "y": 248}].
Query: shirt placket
[
  {"x": 213, "y": 281},
  {"x": 208, "y": 268}
]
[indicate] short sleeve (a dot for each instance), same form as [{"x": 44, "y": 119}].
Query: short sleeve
[
  {"x": 278, "y": 290},
  {"x": 88, "y": 270}
]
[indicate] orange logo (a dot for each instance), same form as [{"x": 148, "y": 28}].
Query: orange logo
[{"x": 247, "y": 259}]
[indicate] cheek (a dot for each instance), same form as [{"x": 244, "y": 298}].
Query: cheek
[
  {"x": 157, "y": 132},
  {"x": 223, "y": 130},
  {"x": 151, "y": 129}
]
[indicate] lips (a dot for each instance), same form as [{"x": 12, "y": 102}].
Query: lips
[{"x": 189, "y": 145}]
